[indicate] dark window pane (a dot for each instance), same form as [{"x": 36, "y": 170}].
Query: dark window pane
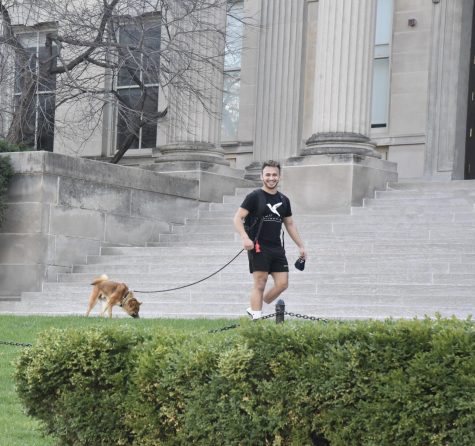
[
  {"x": 48, "y": 59},
  {"x": 127, "y": 119},
  {"x": 129, "y": 56},
  {"x": 149, "y": 119},
  {"x": 151, "y": 56},
  {"x": 45, "y": 131},
  {"x": 139, "y": 54},
  {"x": 133, "y": 112},
  {"x": 24, "y": 69},
  {"x": 28, "y": 121},
  {"x": 129, "y": 68}
]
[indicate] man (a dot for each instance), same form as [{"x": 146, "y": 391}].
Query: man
[{"x": 263, "y": 240}]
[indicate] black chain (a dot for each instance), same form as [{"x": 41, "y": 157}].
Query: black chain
[
  {"x": 269, "y": 316},
  {"x": 266, "y": 317},
  {"x": 16, "y": 344},
  {"x": 304, "y": 316},
  {"x": 229, "y": 327}
]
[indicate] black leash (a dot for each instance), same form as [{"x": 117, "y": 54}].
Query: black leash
[{"x": 194, "y": 283}]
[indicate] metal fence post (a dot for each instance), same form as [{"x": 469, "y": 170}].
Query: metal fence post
[{"x": 279, "y": 311}]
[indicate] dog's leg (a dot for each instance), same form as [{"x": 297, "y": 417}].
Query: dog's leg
[
  {"x": 106, "y": 307},
  {"x": 93, "y": 298}
]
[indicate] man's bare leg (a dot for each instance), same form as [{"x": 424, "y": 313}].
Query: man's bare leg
[
  {"x": 257, "y": 292},
  {"x": 281, "y": 283}
]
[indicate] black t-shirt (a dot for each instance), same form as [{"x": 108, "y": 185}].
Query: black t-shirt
[{"x": 278, "y": 207}]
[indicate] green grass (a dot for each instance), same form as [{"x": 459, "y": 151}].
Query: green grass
[{"x": 17, "y": 429}]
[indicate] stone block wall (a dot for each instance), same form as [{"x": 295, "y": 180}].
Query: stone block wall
[{"x": 61, "y": 209}]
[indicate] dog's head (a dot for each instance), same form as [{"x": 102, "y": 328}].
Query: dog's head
[{"x": 132, "y": 306}]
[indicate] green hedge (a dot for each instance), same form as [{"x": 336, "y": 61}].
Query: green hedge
[
  {"x": 77, "y": 382},
  {"x": 355, "y": 383}
]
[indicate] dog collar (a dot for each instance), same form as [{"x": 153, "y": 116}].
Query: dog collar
[{"x": 124, "y": 299}]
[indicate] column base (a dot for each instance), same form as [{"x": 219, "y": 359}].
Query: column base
[
  {"x": 340, "y": 143},
  {"x": 204, "y": 163},
  {"x": 332, "y": 183},
  {"x": 253, "y": 171},
  {"x": 190, "y": 151}
]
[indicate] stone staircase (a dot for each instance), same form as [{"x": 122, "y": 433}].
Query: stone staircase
[{"x": 408, "y": 252}]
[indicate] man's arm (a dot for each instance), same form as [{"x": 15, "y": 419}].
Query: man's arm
[
  {"x": 294, "y": 235},
  {"x": 240, "y": 215}
]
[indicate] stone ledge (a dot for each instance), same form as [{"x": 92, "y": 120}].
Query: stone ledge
[{"x": 100, "y": 172}]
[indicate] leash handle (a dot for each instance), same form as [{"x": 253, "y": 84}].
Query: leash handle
[{"x": 194, "y": 283}]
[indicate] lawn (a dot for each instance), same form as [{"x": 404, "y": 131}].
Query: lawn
[{"x": 17, "y": 429}]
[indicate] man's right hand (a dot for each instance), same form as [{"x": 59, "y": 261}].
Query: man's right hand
[{"x": 247, "y": 244}]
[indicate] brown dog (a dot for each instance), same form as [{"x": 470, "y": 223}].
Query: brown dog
[{"x": 113, "y": 293}]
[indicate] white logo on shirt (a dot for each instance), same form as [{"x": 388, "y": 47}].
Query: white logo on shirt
[{"x": 274, "y": 208}]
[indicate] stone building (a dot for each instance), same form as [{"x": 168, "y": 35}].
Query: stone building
[
  {"x": 347, "y": 94},
  {"x": 344, "y": 92}
]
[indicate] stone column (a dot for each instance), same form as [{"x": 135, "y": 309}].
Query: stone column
[
  {"x": 339, "y": 165},
  {"x": 343, "y": 78},
  {"x": 279, "y": 82},
  {"x": 194, "y": 93},
  {"x": 195, "y": 98},
  {"x": 448, "y": 90}
]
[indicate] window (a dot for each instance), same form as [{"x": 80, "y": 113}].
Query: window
[
  {"x": 232, "y": 71},
  {"x": 380, "y": 97},
  {"x": 138, "y": 81},
  {"x": 37, "y": 124}
]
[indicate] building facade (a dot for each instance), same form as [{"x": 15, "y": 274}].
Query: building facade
[{"x": 386, "y": 80}]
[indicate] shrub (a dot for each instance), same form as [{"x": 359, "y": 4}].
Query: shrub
[
  {"x": 371, "y": 383},
  {"x": 76, "y": 383}
]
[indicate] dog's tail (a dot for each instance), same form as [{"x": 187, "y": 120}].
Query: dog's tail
[{"x": 100, "y": 279}]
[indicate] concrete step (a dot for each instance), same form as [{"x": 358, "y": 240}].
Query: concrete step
[
  {"x": 409, "y": 210},
  {"x": 382, "y": 289},
  {"x": 95, "y": 263},
  {"x": 367, "y": 218},
  {"x": 235, "y": 278},
  {"x": 417, "y": 201},
  {"x": 409, "y": 195},
  {"x": 79, "y": 298},
  {"x": 352, "y": 308},
  {"x": 429, "y": 247},
  {"x": 315, "y": 255},
  {"x": 430, "y": 186},
  {"x": 317, "y": 229},
  {"x": 135, "y": 264},
  {"x": 407, "y": 252},
  {"x": 316, "y": 238}
]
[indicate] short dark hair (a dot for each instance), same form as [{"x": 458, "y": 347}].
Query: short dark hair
[{"x": 270, "y": 163}]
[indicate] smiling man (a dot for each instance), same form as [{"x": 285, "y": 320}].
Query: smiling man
[{"x": 259, "y": 223}]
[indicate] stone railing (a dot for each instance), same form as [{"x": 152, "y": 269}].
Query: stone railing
[{"x": 61, "y": 209}]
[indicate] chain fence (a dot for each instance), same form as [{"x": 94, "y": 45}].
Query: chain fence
[
  {"x": 279, "y": 316},
  {"x": 16, "y": 344}
]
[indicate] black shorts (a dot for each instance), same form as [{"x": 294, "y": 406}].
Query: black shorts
[{"x": 270, "y": 260}]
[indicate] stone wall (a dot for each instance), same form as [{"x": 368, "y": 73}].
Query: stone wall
[{"x": 61, "y": 209}]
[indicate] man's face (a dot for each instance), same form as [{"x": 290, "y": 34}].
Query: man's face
[{"x": 270, "y": 177}]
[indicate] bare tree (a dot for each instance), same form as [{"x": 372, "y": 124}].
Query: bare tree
[{"x": 91, "y": 55}]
